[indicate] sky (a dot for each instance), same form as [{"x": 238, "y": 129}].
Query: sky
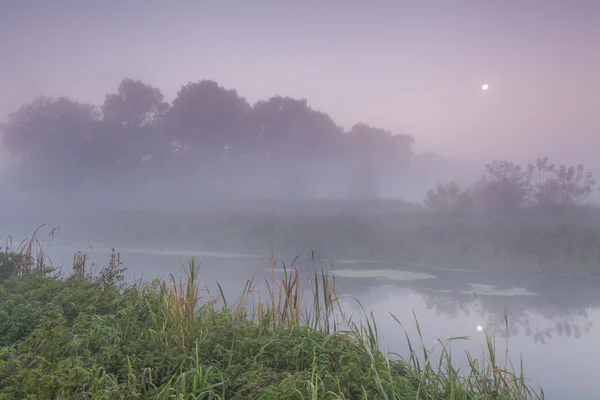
[{"x": 411, "y": 67}]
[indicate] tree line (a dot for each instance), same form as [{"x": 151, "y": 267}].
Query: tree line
[
  {"x": 209, "y": 131},
  {"x": 509, "y": 187},
  {"x": 60, "y": 141}
]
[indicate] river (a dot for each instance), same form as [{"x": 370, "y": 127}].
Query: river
[{"x": 553, "y": 323}]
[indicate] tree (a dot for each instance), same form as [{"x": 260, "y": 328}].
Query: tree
[
  {"x": 375, "y": 156},
  {"x": 506, "y": 186},
  {"x": 289, "y": 127},
  {"x": 136, "y": 130},
  {"x": 561, "y": 186},
  {"x": 46, "y": 127},
  {"x": 208, "y": 118},
  {"x": 52, "y": 139},
  {"x": 134, "y": 105},
  {"x": 379, "y": 144},
  {"x": 449, "y": 198}
]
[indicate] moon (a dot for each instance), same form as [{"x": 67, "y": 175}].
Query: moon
[
  {"x": 479, "y": 328},
  {"x": 485, "y": 86}
]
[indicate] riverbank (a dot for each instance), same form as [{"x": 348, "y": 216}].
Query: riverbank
[
  {"x": 90, "y": 335},
  {"x": 551, "y": 244}
]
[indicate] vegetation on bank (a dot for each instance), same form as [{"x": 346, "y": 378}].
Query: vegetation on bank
[
  {"x": 507, "y": 187},
  {"x": 137, "y": 149},
  {"x": 89, "y": 335},
  {"x": 525, "y": 241},
  {"x": 542, "y": 217}
]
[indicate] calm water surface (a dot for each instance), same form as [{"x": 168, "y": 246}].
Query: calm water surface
[{"x": 553, "y": 324}]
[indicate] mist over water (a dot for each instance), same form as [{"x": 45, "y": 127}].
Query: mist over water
[
  {"x": 359, "y": 137},
  {"x": 549, "y": 319}
]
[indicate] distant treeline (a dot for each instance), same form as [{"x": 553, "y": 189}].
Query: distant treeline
[
  {"x": 210, "y": 139},
  {"x": 207, "y": 129},
  {"x": 509, "y": 187}
]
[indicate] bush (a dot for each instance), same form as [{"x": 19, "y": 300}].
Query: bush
[
  {"x": 509, "y": 187},
  {"x": 449, "y": 198},
  {"x": 562, "y": 186},
  {"x": 9, "y": 264}
]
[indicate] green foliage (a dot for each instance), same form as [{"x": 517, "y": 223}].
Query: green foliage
[
  {"x": 90, "y": 336},
  {"x": 9, "y": 264}
]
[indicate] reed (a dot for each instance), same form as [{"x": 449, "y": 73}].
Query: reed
[{"x": 160, "y": 340}]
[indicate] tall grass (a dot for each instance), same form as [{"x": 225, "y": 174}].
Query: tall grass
[
  {"x": 435, "y": 379},
  {"x": 162, "y": 340},
  {"x": 180, "y": 303},
  {"x": 30, "y": 255}
]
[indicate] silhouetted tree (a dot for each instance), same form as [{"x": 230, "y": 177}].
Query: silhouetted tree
[
  {"x": 449, "y": 198},
  {"x": 509, "y": 187},
  {"x": 289, "y": 127},
  {"x": 42, "y": 128},
  {"x": 506, "y": 186},
  {"x": 209, "y": 119},
  {"x": 372, "y": 154},
  {"x": 207, "y": 125},
  {"x": 379, "y": 145},
  {"x": 133, "y": 120},
  {"x": 134, "y": 105},
  {"x": 52, "y": 138},
  {"x": 561, "y": 186}
]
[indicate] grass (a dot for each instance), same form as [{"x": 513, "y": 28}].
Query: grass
[{"x": 86, "y": 334}]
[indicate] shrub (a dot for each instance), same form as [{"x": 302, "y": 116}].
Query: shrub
[{"x": 449, "y": 198}]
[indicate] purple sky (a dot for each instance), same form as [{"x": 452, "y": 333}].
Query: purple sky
[{"x": 412, "y": 67}]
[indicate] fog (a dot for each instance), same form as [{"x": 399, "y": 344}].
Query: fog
[
  {"x": 406, "y": 69},
  {"x": 359, "y": 136}
]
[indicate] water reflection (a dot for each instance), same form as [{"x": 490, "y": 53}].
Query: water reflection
[
  {"x": 541, "y": 308},
  {"x": 551, "y": 321},
  {"x": 551, "y": 328}
]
